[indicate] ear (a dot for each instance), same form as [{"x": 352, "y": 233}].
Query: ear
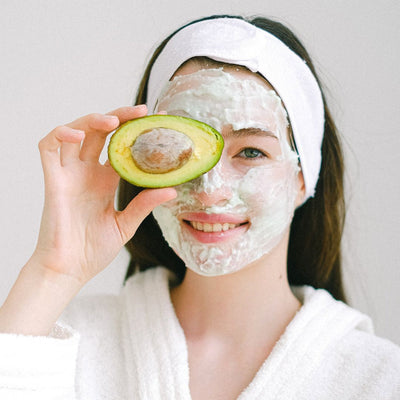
[{"x": 301, "y": 189}]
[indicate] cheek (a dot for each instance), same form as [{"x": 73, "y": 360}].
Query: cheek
[
  {"x": 264, "y": 189},
  {"x": 182, "y": 201}
]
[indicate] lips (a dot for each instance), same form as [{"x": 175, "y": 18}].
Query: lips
[{"x": 211, "y": 228}]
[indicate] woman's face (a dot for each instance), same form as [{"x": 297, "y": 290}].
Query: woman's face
[{"x": 241, "y": 209}]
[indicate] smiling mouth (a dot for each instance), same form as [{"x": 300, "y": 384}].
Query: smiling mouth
[{"x": 207, "y": 227}]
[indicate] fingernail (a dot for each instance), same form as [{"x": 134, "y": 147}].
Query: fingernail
[
  {"x": 141, "y": 107},
  {"x": 78, "y": 132},
  {"x": 113, "y": 117}
]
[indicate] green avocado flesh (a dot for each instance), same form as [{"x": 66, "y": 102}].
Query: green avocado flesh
[{"x": 206, "y": 148}]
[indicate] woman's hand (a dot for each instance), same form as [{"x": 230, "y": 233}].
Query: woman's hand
[{"x": 81, "y": 232}]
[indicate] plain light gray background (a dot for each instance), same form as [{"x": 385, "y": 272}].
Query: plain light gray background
[{"x": 64, "y": 59}]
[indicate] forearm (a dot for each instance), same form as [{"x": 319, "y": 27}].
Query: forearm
[{"x": 36, "y": 300}]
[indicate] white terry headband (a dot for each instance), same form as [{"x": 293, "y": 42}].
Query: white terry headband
[{"x": 235, "y": 41}]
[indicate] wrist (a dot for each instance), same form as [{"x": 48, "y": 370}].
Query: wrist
[
  {"x": 49, "y": 278},
  {"x": 36, "y": 300}
]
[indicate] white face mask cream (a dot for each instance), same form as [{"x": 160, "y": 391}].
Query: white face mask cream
[{"x": 255, "y": 204}]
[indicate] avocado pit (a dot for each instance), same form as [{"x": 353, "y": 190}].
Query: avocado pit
[{"x": 161, "y": 150}]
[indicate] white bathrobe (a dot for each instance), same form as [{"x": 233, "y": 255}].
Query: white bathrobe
[{"x": 132, "y": 347}]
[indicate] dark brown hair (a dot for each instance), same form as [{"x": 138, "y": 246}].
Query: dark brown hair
[{"x": 314, "y": 253}]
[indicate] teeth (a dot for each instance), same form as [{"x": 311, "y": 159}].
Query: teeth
[
  {"x": 206, "y": 227},
  {"x": 217, "y": 228}
]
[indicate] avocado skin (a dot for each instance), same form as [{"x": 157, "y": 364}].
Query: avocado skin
[{"x": 208, "y": 145}]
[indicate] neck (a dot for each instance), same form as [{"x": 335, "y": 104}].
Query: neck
[{"x": 254, "y": 301}]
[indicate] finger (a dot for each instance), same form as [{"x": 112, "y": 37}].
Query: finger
[
  {"x": 96, "y": 137},
  {"x": 139, "y": 208},
  {"x": 107, "y": 122},
  {"x": 69, "y": 152},
  {"x": 95, "y": 123},
  {"x": 94, "y": 142},
  {"x": 92, "y": 124},
  {"x": 50, "y": 145},
  {"x": 127, "y": 113}
]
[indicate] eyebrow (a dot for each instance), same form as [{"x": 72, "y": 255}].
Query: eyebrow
[{"x": 250, "y": 132}]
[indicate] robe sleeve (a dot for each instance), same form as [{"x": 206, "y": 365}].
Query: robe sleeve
[{"x": 38, "y": 367}]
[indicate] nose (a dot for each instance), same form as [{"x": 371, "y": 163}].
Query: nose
[
  {"x": 218, "y": 197},
  {"x": 212, "y": 188}
]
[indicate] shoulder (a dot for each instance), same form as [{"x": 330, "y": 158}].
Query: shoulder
[
  {"x": 376, "y": 358},
  {"x": 364, "y": 365},
  {"x": 355, "y": 363}
]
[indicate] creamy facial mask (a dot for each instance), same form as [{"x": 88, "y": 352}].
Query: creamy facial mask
[
  {"x": 218, "y": 98},
  {"x": 260, "y": 198}
]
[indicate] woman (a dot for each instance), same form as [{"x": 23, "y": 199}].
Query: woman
[{"x": 239, "y": 313}]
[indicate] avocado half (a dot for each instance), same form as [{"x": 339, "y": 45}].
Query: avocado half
[{"x": 207, "y": 145}]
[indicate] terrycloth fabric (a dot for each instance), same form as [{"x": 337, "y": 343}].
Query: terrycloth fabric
[
  {"x": 38, "y": 367},
  {"x": 132, "y": 347},
  {"x": 235, "y": 41}
]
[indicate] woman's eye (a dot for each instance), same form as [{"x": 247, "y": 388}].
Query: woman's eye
[{"x": 251, "y": 153}]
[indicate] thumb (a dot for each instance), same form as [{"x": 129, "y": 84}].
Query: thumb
[{"x": 139, "y": 208}]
